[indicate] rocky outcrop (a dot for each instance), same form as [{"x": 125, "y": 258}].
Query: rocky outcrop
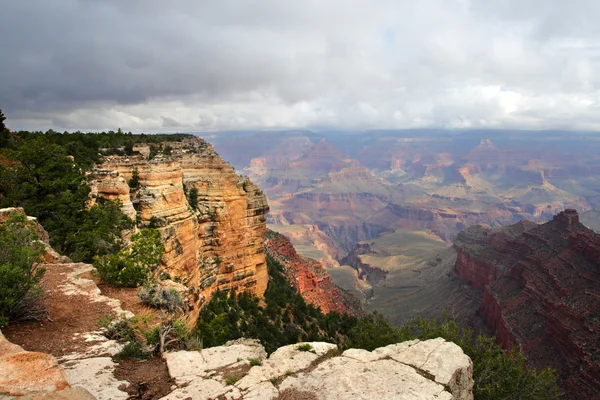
[
  {"x": 309, "y": 277},
  {"x": 216, "y": 245},
  {"x": 541, "y": 292},
  {"x": 432, "y": 369}
]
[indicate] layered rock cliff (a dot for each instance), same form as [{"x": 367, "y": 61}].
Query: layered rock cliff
[
  {"x": 217, "y": 245},
  {"x": 541, "y": 292},
  {"x": 309, "y": 277}
]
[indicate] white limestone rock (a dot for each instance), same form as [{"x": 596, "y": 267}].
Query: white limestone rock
[
  {"x": 414, "y": 370},
  {"x": 97, "y": 376},
  {"x": 185, "y": 366}
]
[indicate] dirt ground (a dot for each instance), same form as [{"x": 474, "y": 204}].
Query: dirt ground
[
  {"x": 67, "y": 315},
  {"x": 148, "y": 379}
]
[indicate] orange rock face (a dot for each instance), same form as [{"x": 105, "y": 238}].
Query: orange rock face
[
  {"x": 23, "y": 372},
  {"x": 218, "y": 245}
]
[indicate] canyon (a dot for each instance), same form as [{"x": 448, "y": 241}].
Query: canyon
[
  {"x": 355, "y": 186},
  {"x": 310, "y": 278},
  {"x": 335, "y": 194},
  {"x": 469, "y": 222}
]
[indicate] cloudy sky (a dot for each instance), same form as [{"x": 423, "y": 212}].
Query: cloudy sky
[{"x": 199, "y": 65}]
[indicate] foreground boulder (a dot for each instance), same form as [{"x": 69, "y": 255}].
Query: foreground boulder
[
  {"x": 431, "y": 369},
  {"x": 23, "y": 372}
]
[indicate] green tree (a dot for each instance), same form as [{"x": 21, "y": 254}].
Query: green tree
[
  {"x": 48, "y": 185},
  {"x": 98, "y": 232},
  {"x": 134, "y": 266},
  {"x": 20, "y": 273},
  {"x": 192, "y": 197},
  {"x": 128, "y": 148},
  {"x": 4, "y": 132},
  {"x": 134, "y": 182}
]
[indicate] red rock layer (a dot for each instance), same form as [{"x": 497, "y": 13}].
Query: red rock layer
[
  {"x": 309, "y": 277},
  {"x": 541, "y": 293}
]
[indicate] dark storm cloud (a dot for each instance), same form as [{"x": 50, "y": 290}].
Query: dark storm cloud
[{"x": 196, "y": 65}]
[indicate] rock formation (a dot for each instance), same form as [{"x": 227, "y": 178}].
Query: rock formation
[
  {"x": 432, "y": 369},
  {"x": 365, "y": 271},
  {"x": 217, "y": 245},
  {"x": 309, "y": 277},
  {"x": 540, "y": 287},
  {"x": 22, "y": 372}
]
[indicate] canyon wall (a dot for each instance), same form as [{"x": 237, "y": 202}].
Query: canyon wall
[
  {"x": 218, "y": 245},
  {"x": 310, "y": 278},
  {"x": 541, "y": 293}
]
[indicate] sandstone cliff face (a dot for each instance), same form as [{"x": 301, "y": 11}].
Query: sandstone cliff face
[
  {"x": 218, "y": 245},
  {"x": 541, "y": 292},
  {"x": 309, "y": 277}
]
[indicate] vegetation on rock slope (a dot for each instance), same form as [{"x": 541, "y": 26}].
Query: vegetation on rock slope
[
  {"x": 20, "y": 274},
  {"x": 285, "y": 318}
]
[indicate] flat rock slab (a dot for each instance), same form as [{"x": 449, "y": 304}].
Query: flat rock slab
[
  {"x": 76, "y": 393},
  {"x": 97, "y": 376},
  {"x": 7, "y": 347},
  {"x": 185, "y": 366},
  {"x": 345, "y": 378},
  {"x": 413, "y": 370}
]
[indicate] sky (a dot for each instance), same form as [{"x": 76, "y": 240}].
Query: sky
[{"x": 196, "y": 65}]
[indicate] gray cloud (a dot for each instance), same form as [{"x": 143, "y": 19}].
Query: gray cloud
[{"x": 203, "y": 65}]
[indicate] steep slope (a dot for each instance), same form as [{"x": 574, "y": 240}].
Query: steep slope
[
  {"x": 540, "y": 287},
  {"x": 218, "y": 245},
  {"x": 309, "y": 277}
]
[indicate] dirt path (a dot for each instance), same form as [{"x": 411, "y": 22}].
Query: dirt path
[
  {"x": 69, "y": 316},
  {"x": 76, "y": 301}
]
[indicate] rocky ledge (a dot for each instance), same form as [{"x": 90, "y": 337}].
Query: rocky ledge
[
  {"x": 240, "y": 369},
  {"x": 212, "y": 221},
  {"x": 432, "y": 369}
]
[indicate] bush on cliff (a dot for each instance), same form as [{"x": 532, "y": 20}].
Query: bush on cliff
[
  {"x": 284, "y": 317},
  {"x": 133, "y": 266},
  {"x": 50, "y": 186},
  {"x": 497, "y": 374},
  {"x": 20, "y": 273},
  {"x": 158, "y": 297}
]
